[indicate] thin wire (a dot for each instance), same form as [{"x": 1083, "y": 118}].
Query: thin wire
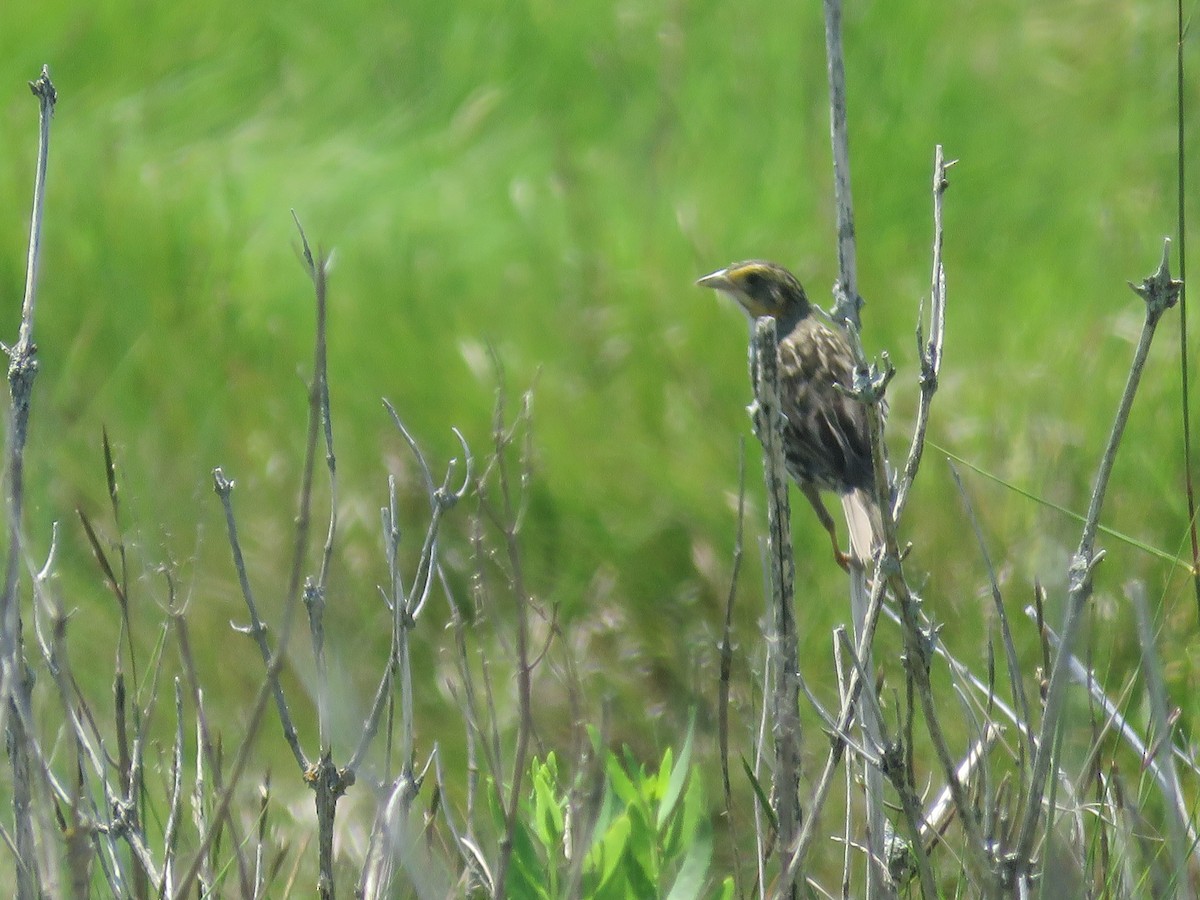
[{"x": 1181, "y": 239}]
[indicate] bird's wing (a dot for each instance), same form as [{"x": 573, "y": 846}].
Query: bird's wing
[{"x": 827, "y": 428}]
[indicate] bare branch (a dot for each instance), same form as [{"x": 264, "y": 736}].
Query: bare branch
[
  {"x": 257, "y": 628},
  {"x": 784, "y": 700},
  {"x": 1160, "y": 292},
  {"x": 930, "y": 351},
  {"x": 848, "y": 302},
  {"x": 22, "y": 370}
]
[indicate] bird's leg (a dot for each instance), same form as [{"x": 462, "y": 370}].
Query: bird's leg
[{"x": 826, "y": 520}]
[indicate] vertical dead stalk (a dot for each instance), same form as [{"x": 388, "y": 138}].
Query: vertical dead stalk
[
  {"x": 1160, "y": 292},
  {"x": 848, "y": 308},
  {"x": 869, "y": 385},
  {"x": 508, "y": 518},
  {"x": 22, "y": 370},
  {"x": 328, "y": 782},
  {"x": 849, "y": 304},
  {"x": 726, "y": 669},
  {"x": 1184, "y": 355},
  {"x": 784, "y": 702}
]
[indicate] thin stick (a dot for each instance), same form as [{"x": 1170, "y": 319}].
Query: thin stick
[
  {"x": 508, "y": 518},
  {"x": 930, "y": 351},
  {"x": 317, "y": 269},
  {"x": 1160, "y": 293},
  {"x": 727, "y": 660},
  {"x": 848, "y": 303},
  {"x": 22, "y": 370},
  {"x": 1181, "y": 238},
  {"x": 1020, "y": 703},
  {"x": 769, "y": 423},
  {"x": 1176, "y": 812}
]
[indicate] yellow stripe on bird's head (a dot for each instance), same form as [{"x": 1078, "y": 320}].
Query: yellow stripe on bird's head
[{"x": 762, "y": 289}]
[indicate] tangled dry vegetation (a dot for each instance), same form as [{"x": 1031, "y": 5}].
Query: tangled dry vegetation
[{"x": 975, "y": 776}]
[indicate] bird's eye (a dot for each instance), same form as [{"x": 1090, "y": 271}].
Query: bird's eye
[{"x": 753, "y": 282}]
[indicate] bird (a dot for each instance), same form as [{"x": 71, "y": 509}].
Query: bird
[{"x": 826, "y": 440}]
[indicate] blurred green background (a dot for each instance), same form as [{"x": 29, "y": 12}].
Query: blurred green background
[{"x": 549, "y": 179}]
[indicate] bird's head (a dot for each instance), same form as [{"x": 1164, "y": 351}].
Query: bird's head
[{"x": 762, "y": 289}]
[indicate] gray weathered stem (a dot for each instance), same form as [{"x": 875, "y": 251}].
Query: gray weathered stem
[
  {"x": 849, "y": 304},
  {"x": 22, "y": 370},
  {"x": 769, "y": 422},
  {"x": 1160, "y": 293}
]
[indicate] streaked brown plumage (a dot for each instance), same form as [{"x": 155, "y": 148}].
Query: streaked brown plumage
[{"x": 827, "y": 440}]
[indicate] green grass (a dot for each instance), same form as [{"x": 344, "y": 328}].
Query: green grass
[{"x": 549, "y": 179}]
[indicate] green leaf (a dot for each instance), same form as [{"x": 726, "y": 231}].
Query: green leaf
[
  {"x": 527, "y": 874},
  {"x": 689, "y": 825},
  {"x": 671, "y": 839},
  {"x": 643, "y": 845},
  {"x": 641, "y": 884},
  {"x": 689, "y": 883},
  {"x": 664, "y": 774},
  {"x": 622, "y": 784},
  {"x": 547, "y": 811},
  {"x": 761, "y": 794},
  {"x": 605, "y": 856},
  {"x": 593, "y": 734},
  {"x": 494, "y": 807},
  {"x": 604, "y": 819},
  {"x": 634, "y": 874},
  {"x": 678, "y": 775},
  {"x": 694, "y": 813},
  {"x": 634, "y": 769}
]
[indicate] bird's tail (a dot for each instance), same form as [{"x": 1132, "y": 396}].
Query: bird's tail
[{"x": 864, "y": 523}]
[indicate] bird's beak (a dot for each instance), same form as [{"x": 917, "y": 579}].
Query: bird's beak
[{"x": 718, "y": 281}]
